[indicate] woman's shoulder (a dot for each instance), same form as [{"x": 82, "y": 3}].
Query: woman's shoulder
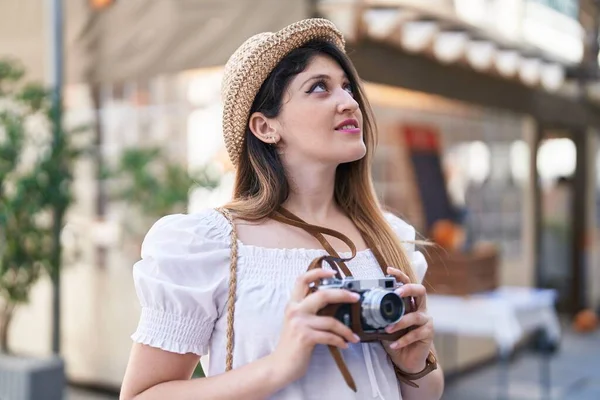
[
  {"x": 407, "y": 234},
  {"x": 185, "y": 250},
  {"x": 403, "y": 229},
  {"x": 181, "y": 232},
  {"x": 207, "y": 222}
]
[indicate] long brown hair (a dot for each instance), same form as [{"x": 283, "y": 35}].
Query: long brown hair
[{"x": 261, "y": 186}]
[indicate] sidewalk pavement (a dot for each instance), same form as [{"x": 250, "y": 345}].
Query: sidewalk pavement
[
  {"x": 574, "y": 375},
  {"x": 80, "y": 394}
]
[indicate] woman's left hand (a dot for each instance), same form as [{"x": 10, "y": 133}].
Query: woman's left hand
[{"x": 410, "y": 352}]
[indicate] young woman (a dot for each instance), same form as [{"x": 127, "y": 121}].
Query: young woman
[{"x": 298, "y": 129}]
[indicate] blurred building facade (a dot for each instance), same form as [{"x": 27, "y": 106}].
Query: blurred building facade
[{"x": 497, "y": 82}]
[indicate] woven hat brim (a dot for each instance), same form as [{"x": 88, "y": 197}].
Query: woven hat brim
[{"x": 251, "y": 65}]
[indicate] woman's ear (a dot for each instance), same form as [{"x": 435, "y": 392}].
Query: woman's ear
[{"x": 263, "y": 128}]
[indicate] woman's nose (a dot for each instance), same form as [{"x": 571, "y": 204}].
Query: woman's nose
[{"x": 346, "y": 102}]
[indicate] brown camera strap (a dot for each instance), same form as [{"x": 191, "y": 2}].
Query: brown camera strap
[{"x": 286, "y": 217}]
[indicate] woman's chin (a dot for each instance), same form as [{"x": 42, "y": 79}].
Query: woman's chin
[{"x": 354, "y": 154}]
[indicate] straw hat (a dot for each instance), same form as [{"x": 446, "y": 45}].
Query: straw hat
[{"x": 251, "y": 64}]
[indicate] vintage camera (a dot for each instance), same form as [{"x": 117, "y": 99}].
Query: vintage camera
[{"x": 378, "y": 307}]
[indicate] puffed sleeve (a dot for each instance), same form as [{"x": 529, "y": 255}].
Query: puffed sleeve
[
  {"x": 407, "y": 234},
  {"x": 181, "y": 281}
]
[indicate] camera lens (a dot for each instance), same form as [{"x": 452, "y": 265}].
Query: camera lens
[
  {"x": 391, "y": 307},
  {"x": 381, "y": 308}
]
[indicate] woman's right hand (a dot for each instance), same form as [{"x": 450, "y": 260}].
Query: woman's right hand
[{"x": 303, "y": 329}]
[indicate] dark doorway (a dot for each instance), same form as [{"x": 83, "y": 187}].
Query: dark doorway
[{"x": 561, "y": 175}]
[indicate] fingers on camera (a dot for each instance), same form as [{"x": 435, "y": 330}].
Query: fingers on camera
[
  {"x": 411, "y": 290},
  {"x": 408, "y": 320},
  {"x": 331, "y": 324},
  {"x": 303, "y": 281},
  {"x": 331, "y": 339},
  {"x": 399, "y": 275},
  {"x": 420, "y": 333},
  {"x": 320, "y": 299}
]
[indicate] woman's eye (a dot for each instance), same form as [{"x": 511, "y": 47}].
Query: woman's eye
[
  {"x": 321, "y": 87},
  {"x": 348, "y": 88},
  {"x": 318, "y": 87}
]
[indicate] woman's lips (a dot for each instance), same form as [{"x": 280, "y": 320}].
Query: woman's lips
[
  {"x": 349, "y": 130},
  {"x": 349, "y": 125}
]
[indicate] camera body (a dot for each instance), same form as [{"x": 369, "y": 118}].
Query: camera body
[{"x": 378, "y": 307}]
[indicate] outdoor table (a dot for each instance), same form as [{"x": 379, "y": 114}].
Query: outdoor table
[{"x": 507, "y": 315}]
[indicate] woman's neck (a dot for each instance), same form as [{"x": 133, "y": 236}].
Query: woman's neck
[{"x": 312, "y": 194}]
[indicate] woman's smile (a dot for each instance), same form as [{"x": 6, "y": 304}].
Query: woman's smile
[{"x": 348, "y": 126}]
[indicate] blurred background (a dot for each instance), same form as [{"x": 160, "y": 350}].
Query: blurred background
[{"x": 489, "y": 120}]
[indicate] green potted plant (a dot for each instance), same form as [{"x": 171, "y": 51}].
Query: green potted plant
[{"x": 35, "y": 177}]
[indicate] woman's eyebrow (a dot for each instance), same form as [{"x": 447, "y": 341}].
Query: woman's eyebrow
[
  {"x": 322, "y": 77},
  {"x": 318, "y": 76}
]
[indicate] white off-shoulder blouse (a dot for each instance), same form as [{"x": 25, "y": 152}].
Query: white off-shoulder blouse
[{"x": 182, "y": 284}]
